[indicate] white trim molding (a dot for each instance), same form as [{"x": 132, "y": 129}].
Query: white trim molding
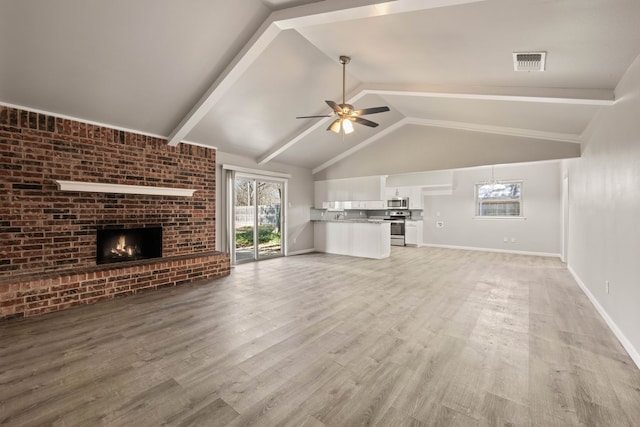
[
  {"x": 502, "y": 251},
  {"x": 98, "y": 187},
  {"x": 301, "y": 252},
  {"x": 633, "y": 352},
  {"x": 261, "y": 172}
]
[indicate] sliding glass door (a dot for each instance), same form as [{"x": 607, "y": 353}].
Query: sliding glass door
[
  {"x": 258, "y": 218},
  {"x": 245, "y": 214}
]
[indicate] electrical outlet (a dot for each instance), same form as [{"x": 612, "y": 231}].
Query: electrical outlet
[
  {"x": 506, "y": 239},
  {"x": 294, "y": 239},
  {"x": 513, "y": 240},
  {"x": 606, "y": 286}
]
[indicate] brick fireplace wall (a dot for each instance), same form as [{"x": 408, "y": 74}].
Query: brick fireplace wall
[{"x": 48, "y": 235}]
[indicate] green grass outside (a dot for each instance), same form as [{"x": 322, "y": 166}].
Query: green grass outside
[{"x": 266, "y": 235}]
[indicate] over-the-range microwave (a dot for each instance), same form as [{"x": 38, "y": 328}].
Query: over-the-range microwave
[{"x": 398, "y": 203}]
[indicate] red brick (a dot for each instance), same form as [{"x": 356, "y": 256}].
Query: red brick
[{"x": 38, "y": 148}]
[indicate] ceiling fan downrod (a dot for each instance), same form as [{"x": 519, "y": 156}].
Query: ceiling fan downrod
[{"x": 344, "y": 60}]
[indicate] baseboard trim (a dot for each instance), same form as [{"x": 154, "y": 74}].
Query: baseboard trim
[
  {"x": 303, "y": 251},
  {"x": 633, "y": 353},
  {"x": 504, "y": 251}
]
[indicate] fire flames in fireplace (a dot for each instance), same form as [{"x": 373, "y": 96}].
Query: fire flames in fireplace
[
  {"x": 124, "y": 250},
  {"x": 115, "y": 245}
]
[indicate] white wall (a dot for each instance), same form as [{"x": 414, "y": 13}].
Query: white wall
[
  {"x": 300, "y": 197},
  {"x": 539, "y": 233},
  {"x": 421, "y": 179},
  {"x": 604, "y": 212}
]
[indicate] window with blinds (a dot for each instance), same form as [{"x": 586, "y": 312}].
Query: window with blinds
[{"x": 499, "y": 199}]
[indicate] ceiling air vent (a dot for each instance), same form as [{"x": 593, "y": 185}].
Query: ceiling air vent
[{"x": 529, "y": 61}]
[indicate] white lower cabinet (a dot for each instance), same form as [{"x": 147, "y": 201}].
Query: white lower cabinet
[
  {"x": 361, "y": 239},
  {"x": 412, "y": 232}
]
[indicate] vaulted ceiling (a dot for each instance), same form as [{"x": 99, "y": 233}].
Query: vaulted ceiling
[{"x": 235, "y": 74}]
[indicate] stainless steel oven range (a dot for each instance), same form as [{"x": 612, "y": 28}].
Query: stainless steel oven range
[{"x": 397, "y": 219}]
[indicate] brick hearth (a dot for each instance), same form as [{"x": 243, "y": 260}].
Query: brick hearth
[
  {"x": 48, "y": 237},
  {"x": 27, "y": 296}
]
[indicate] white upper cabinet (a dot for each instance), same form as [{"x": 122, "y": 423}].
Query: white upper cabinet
[
  {"x": 413, "y": 193},
  {"x": 415, "y": 198},
  {"x": 391, "y": 192},
  {"x": 375, "y": 204},
  {"x": 350, "y": 189}
]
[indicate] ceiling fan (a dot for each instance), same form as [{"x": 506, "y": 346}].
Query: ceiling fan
[{"x": 347, "y": 115}]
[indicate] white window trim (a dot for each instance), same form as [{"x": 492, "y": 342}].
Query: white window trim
[{"x": 488, "y": 217}]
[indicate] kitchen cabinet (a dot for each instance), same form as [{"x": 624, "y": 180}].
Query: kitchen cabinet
[
  {"x": 375, "y": 204},
  {"x": 353, "y": 204},
  {"x": 349, "y": 189},
  {"x": 333, "y": 206},
  {"x": 414, "y": 194},
  {"x": 392, "y": 192},
  {"x": 360, "y": 239},
  {"x": 415, "y": 198},
  {"x": 413, "y": 232}
]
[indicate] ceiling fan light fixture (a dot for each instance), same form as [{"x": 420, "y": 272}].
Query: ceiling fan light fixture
[
  {"x": 347, "y": 126},
  {"x": 344, "y": 112}
]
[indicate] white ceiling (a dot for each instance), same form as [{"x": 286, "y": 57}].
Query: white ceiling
[{"x": 234, "y": 75}]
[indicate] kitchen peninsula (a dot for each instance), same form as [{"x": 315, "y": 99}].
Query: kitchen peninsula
[{"x": 355, "y": 237}]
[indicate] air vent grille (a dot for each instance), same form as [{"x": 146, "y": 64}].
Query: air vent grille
[{"x": 529, "y": 61}]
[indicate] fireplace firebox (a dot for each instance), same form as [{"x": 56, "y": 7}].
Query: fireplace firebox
[{"x": 128, "y": 244}]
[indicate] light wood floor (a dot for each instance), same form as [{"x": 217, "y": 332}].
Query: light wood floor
[{"x": 427, "y": 337}]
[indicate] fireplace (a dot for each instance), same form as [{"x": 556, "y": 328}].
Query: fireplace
[{"x": 128, "y": 244}]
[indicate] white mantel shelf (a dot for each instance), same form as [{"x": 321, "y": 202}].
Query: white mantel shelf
[{"x": 98, "y": 187}]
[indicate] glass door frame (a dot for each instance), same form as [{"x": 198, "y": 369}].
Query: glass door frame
[{"x": 231, "y": 215}]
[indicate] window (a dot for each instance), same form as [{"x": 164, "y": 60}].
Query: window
[{"x": 499, "y": 200}]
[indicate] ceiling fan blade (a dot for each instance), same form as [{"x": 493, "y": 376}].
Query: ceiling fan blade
[
  {"x": 313, "y": 117},
  {"x": 335, "y": 126},
  {"x": 335, "y": 107},
  {"x": 373, "y": 110},
  {"x": 365, "y": 122}
]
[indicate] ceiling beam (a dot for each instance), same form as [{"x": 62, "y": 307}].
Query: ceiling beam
[
  {"x": 229, "y": 76},
  {"x": 498, "y": 130},
  {"x": 552, "y": 95},
  {"x": 331, "y": 11},
  {"x": 291, "y": 18},
  {"x": 270, "y": 28}
]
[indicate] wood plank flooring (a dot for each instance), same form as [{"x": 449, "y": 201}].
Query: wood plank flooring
[{"x": 429, "y": 337}]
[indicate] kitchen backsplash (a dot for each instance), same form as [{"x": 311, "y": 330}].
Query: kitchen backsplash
[{"x": 326, "y": 215}]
